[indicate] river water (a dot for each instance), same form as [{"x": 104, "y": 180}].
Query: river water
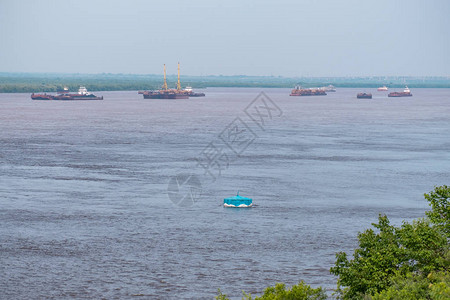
[{"x": 87, "y": 211}]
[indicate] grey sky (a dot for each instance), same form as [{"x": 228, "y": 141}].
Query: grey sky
[{"x": 288, "y": 38}]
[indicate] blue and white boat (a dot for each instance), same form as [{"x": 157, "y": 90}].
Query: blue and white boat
[{"x": 237, "y": 201}]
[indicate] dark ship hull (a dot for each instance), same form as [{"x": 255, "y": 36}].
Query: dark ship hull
[
  {"x": 165, "y": 95},
  {"x": 81, "y": 95},
  {"x": 41, "y": 97},
  {"x": 364, "y": 96},
  {"x": 64, "y": 97},
  {"x": 76, "y": 97},
  {"x": 192, "y": 94},
  {"x": 399, "y": 94}
]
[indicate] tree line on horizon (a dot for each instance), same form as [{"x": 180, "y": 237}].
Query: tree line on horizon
[{"x": 36, "y": 83}]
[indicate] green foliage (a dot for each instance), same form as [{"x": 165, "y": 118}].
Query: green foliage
[
  {"x": 376, "y": 259},
  {"x": 392, "y": 252},
  {"x": 221, "y": 296},
  {"x": 413, "y": 286},
  {"x": 300, "y": 291},
  {"x": 439, "y": 200},
  {"x": 415, "y": 247}
]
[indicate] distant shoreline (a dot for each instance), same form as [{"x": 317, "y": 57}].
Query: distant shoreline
[{"x": 51, "y": 82}]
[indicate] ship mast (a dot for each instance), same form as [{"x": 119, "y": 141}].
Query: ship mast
[
  {"x": 165, "y": 82},
  {"x": 178, "y": 83}
]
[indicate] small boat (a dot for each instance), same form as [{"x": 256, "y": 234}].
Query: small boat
[
  {"x": 382, "y": 89},
  {"x": 406, "y": 93},
  {"x": 364, "y": 96},
  {"x": 237, "y": 201}
]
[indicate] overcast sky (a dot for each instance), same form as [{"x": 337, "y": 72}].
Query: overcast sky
[{"x": 228, "y": 37}]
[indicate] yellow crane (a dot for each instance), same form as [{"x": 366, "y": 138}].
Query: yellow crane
[
  {"x": 178, "y": 83},
  {"x": 165, "y": 82}
]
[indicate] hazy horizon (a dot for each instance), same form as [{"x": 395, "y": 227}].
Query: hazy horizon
[
  {"x": 253, "y": 38},
  {"x": 222, "y": 75}
]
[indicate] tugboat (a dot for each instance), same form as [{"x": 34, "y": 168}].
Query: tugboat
[
  {"x": 299, "y": 91},
  {"x": 406, "y": 93},
  {"x": 82, "y": 94},
  {"x": 382, "y": 89},
  {"x": 237, "y": 201},
  {"x": 364, "y": 96}
]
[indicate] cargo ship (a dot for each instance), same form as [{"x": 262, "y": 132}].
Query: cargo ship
[
  {"x": 82, "y": 94},
  {"x": 382, "y": 89},
  {"x": 406, "y": 93},
  {"x": 364, "y": 96},
  {"x": 299, "y": 91},
  {"x": 166, "y": 93}
]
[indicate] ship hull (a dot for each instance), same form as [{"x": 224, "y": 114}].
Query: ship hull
[
  {"x": 165, "y": 96},
  {"x": 65, "y": 97},
  {"x": 400, "y": 95},
  {"x": 364, "y": 96},
  {"x": 197, "y": 95},
  {"x": 41, "y": 97},
  {"x": 70, "y": 97},
  {"x": 308, "y": 94},
  {"x": 304, "y": 95},
  {"x": 238, "y": 206},
  {"x": 76, "y": 98}
]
